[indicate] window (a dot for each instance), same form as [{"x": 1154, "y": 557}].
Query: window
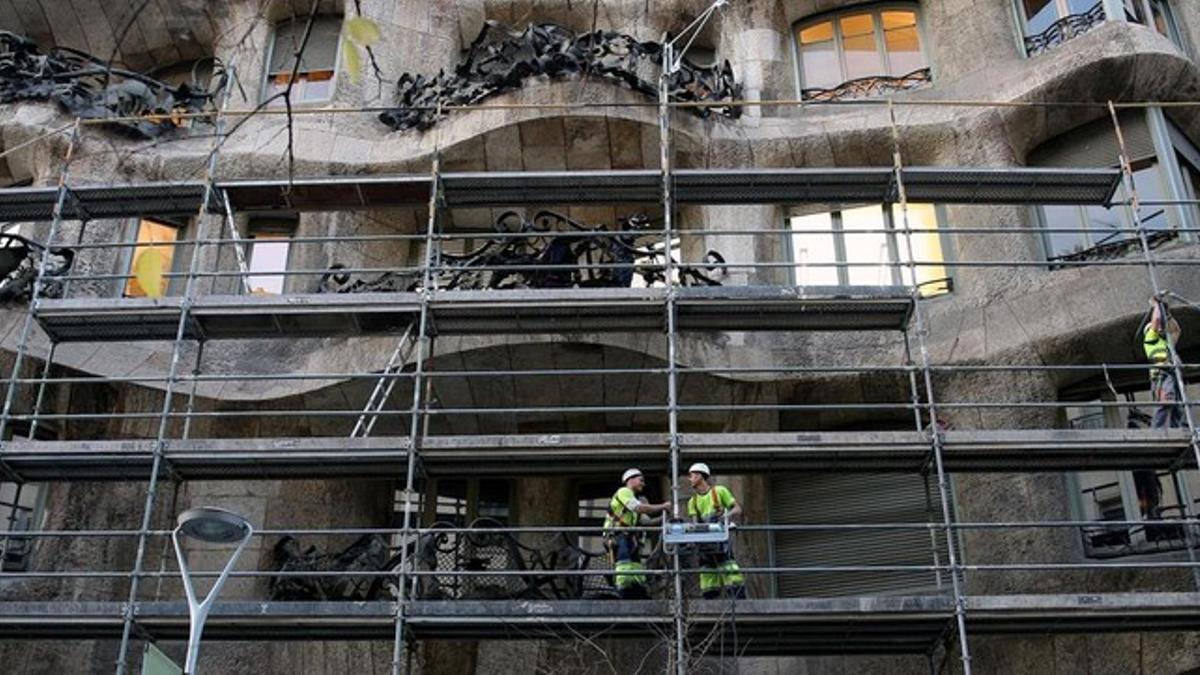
[
  {"x": 152, "y": 235},
  {"x": 268, "y": 254},
  {"x": 1156, "y": 14},
  {"x": 1109, "y": 231},
  {"x": 21, "y": 508},
  {"x": 315, "y": 75},
  {"x": 1154, "y": 496},
  {"x": 861, "y": 246},
  {"x": 1049, "y": 23},
  {"x": 880, "y": 47},
  {"x": 478, "y": 503},
  {"x": 20, "y": 511}
]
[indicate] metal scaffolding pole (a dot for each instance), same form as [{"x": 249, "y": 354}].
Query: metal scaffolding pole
[
  {"x": 160, "y": 443},
  {"x": 424, "y": 351},
  {"x": 1133, "y": 205},
  {"x": 35, "y": 293},
  {"x": 668, "y": 204},
  {"x": 957, "y": 581}
]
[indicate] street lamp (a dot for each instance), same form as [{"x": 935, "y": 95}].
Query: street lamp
[{"x": 213, "y": 526}]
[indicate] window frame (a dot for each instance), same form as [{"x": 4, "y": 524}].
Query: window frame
[
  {"x": 129, "y": 254},
  {"x": 893, "y": 233},
  {"x": 1172, "y": 181},
  {"x": 36, "y": 512},
  {"x": 1186, "y": 489},
  {"x": 276, "y": 228},
  {"x": 1174, "y": 34},
  {"x": 266, "y": 93},
  {"x": 875, "y": 10}
]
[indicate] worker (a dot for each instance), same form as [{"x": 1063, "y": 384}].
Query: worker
[
  {"x": 1164, "y": 389},
  {"x": 628, "y": 509},
  {"x": 715, "y": 504}
]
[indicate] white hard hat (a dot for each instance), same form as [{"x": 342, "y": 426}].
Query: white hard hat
[
  {"x": 630, "y": 473},
  {"x": 700, "y": 467}
]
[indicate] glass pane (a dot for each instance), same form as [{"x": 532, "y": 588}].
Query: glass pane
[
  {"x": 812, "y": 243},
  {"x": 904, "y": 50},
  {"x": 268, "y": 254},
  {"x": 1080, "y": 6},
  {"x": 1133, "y": 11},
  {"x": 152, "y": 235},
  {"x": 1162, "y": 22},
  {"x": 893, "y": 19},
  {"x": 819, "y": 66},
  {"x": 1039, "y": 14},
  {"x": 1063, "y": 243},
  {"x": 927, "y": 248},
  {"x": 821, "y": 32},
  {"x": 1149, "y": 187},
  {"x": 870, "y": 248},
  {"x": 859, "y": 47}
]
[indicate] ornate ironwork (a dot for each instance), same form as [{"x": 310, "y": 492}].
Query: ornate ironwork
[
  {"x": 1108, "y": 249},
  {"x": 865, "y": 87},
  {"x": 440, "y": 555},
  {"x": 88, "y": 87},
  {"x": 1066, "y": 28},
  {"x": 597, "y": 258},
  {"x": 19, "y": 262},
  {"x": 502, "y": 58}
]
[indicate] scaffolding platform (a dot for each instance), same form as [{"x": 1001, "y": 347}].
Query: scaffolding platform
[
  {"x": 788, "y": 626},
  {"x": 600, "y": 454},
  {"x": 943, "y": 185},
  {"x": 488, "y": 312}
]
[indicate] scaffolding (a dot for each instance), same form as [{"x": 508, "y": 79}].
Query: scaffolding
[{"x": 408, "y": 452}]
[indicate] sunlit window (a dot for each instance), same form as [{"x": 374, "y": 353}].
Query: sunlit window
[
  {"x": 155, "y": 242},
  {"x": 879, "y": 43},
  {"x": 314, "y": 78},
  {"x": 866, "y": 246}
]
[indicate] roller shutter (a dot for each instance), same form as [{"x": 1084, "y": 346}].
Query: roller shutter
[
  {"x": 853, "y": 498},
  {"x": 1094, "y": 145}
]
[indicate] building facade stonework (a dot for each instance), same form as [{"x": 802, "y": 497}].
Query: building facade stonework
[{"x": 1019, "y": 314}]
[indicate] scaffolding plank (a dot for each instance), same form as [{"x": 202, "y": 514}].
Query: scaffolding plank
[
  {"x": 799, "y": 626},
  {"x": 946, "y": 185},
  {"x": 600, "y": 454},
  {"x": 591, "y": 310}
]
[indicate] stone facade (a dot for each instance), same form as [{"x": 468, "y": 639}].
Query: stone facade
[{"x": 1002, "y": 315}]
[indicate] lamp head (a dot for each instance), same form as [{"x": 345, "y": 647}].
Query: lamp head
[{"x": 212, "y": 525}]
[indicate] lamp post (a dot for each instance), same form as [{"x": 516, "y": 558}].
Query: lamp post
[{"x": 214, "y": 526}]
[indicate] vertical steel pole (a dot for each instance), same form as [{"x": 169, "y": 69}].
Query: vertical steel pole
[
  {"x": 169, "y": 391},
  {"x": 668, "y": 203},
  {"x": 191, "y": 400},
  {"x": 400, "y": 659},
  {"x": 935, "y": 434},
  {"x": 1133, "y": 204},
  {"x": 41, "y": 395},
  {"x": 56, "y": 219}
]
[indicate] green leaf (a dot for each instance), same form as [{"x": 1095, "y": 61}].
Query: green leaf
[
  {"x": 362, "y": 31},
  {"x": 148, "y": 270},
  {"x": 351, "y": 61}
]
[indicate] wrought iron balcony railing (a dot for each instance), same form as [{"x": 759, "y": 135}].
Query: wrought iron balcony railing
[
  {"x": 866, "y": 87},
  {"x": 1066, "y": 28}
]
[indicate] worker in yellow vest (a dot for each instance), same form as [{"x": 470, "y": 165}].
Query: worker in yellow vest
[
  {"x": 713, "y": 504},
  {"x": 627, "y": 509},
  {"x": 1163, "y": 387}
]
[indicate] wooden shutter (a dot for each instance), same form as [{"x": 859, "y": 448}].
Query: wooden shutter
[{"x": 853, "y": 498}]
